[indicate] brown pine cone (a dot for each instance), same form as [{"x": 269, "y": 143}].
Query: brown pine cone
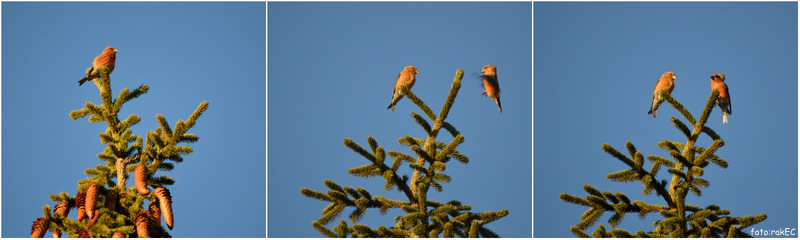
[
  {"x": 91, "y": 197},
  {"x": 118, "y": 234},
  {"x": 142, "y": 224},
  {"x": 155, "y": 212},
  {"x": 111, "y": 200},
  {"x": 80, "y": 201},
  {"x": 165, "y": 203},
  {"x": 62, "y": 208},
  {"x": 39, "y": 228},
  {"x": 96, "y": 216},
  {"x": 139, "y": 178}
]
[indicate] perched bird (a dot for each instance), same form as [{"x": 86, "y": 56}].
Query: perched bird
[
  {"x": 406, "y": 77},
  {"x": 105, "y": 59},
  {"x": 664, "y": 83},
  {"x": 491, "y": 85},
  {"x": 724, "y": 99}
]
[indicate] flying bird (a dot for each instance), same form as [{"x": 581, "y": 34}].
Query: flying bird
[
  {"x": 724, "y": 99},
  {"x": 406, "y": 77},
  {"x": 491, "y": 85},
  {"x": 665, "y": 82},
  {"x": 105, "y": 59}
]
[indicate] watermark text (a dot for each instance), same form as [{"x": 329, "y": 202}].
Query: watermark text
[{"x": 773, "y": 232}]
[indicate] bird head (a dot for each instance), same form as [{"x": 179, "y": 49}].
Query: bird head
[
  {"x": 717, "y": 77},
  {"x": 669, "y": 75},
  {"x": 412, "y": 69},
  {"x": 110, "y": 50},
  {"x": 489, "y": 70}
]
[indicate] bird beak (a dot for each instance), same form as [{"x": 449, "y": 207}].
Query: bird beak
[
  {"x": 674, "y": 77},
  {"x": 483, "y": 70},
  {"x": 417, "y": 71},
  {"x": 116, "y": 50}
]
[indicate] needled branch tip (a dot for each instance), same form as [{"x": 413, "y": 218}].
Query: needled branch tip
[
  {"x": 678, "y": 106},
  {"x": 451, "y": 97},
  {"x": 709, "y": 107},
  {"x": 613, "y": 152},
  {"x": 413, "y": 98}
]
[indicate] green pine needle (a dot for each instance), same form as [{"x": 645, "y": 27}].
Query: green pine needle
[{"x": 421, "y": 122}]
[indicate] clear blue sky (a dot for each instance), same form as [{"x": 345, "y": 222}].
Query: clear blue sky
[
  {"x": 332, "y": 67},
  {"x": 595, "y": 66},
  {"x": 186, "y": 53}
]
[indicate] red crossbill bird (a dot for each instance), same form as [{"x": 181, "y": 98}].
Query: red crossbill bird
[
  {"x": 491, "y": 85},
  {"x": 724, "y": 99},
  {"x": 406, "y": 77},
  {"x": 665, "y": 82},
  {"x": 105, "y": 59}
]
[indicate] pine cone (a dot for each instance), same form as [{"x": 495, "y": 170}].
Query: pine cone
[
  {"x": 111, "y": 200},
  {"x": 80, "y": 201},
  {"x": 155, "y": 228},
  {"x": 142, "y": 224},
  {"x": 165, "y": 203},
  {"x": 39, "y": 228},
  {"x": 118, "y": 234},
  {"x": 96, "y": 216},
  {"x": 62, "y": 208},
  {"x": 139, "y": 178},
  {"x": 91, "y": 198},
  {"x": 155, "y": 212}
]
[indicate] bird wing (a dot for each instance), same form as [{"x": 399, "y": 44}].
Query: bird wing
[
  {"x": 397, "y": 83},
  {"x": 730, "y": 105},
  {"x": 492, "y": 81}
]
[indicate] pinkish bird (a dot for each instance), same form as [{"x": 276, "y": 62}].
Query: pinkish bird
[
  {"x": 406, "y": 77},
  {"x": 105, "y": 59},
  {"x": 666, "y": 82},
  {"x": 491, "y": 85},
  {"x": 724, "y": 98}
]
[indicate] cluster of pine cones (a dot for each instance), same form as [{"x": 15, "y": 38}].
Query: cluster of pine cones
[{"x": 85, "y": 202}]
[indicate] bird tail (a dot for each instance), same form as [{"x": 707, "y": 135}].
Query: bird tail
[
  {"x": 724, "y": 117},
  {"x": 499, "y": 107},
  {"x": 394, "y": 103},
  {"x": 80, "y": 82},
  {"x": 654, "y": 108}
]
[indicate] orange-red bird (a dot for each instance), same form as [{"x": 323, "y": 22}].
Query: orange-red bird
[
  {"x": 105, "y": 59},
  {"x": 491, "y": 85},
  {"x": 406, "y": 77},
  {"x": 724, "y": 99},
  {"x": 665, "y": 82}
]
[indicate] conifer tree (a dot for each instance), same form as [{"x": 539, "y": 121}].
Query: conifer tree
[
  {"x": 423, "y": 217},
  {"x": 687, "y": 164},
  {"x": 108, "y": 208}
]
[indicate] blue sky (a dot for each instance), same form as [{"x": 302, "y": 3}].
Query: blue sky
[
  {"x": 186, "y": 53},
  {"x": 595, "y": 66},
  {"x": 332, "y": 67}
]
